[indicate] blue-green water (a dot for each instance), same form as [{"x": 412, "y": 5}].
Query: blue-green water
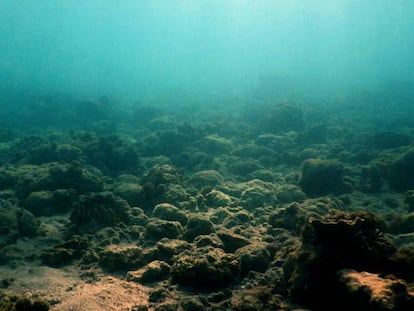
[{"x": 133, "y": 48}]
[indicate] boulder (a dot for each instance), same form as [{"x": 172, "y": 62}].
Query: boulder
[
  {"x": 167, "y": 211},
  {"x": 321, "y": 177},
  {"x": 207, "y": 269},
  {"x": 94, "y": 211},
  {"x": 401, "y": 172},
  {"x": 337, "y": 241},
  {"x": 366, "y": 291}
]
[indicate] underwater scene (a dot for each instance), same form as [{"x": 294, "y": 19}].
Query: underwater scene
[{"x": 206, "y": 155}]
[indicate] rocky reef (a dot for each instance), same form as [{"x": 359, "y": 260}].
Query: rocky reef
[{"x": 280, "y": 209}]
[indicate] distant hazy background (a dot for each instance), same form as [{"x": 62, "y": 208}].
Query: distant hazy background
[{"x": 130, "y": 47}]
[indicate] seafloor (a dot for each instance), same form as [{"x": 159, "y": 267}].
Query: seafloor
[{"x": 239, "y": 205}]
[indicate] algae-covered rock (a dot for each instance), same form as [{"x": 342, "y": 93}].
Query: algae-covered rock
[
  {"x": 208, "y": 240},
  {"x": 320, "y": 177},
  {"x": 198, "y": 225},
  {"x": 20, "y": 303},
  {"x": 94, "y": 211},
  {"x": 231, "y": 240},
  {"x": 244, "y": 167},
  {"x": 403, "y": 263},
  {"x": 409, "y": 200},
  {"x": 254, "y": 257},
  {"x": 401, "y": 172},
  {"x": 166, "y": 249},
  {"x": 239, "y": 217},
  {"x": 290, "y": 193},
  {"x": 216, "y": 198},
  {"x": 258, "y": 193},
  {"x": 133, "y": 193},
  {"x": 28, "y": 225},
  {"x": 258, "y": 298},
  {"x": 16, "y": 222},
  {"x": 53, "y": 176},
  {"x": 371, "y": 292},
  {"x": 207, "y": 269},
  {"x": 168, "y": 211},
  {"x": 112, "y": 155},
  {"x": 152, "y": 272},
  {"x": 163, "y": 185},
  {"x": 291, "y": 217},
  {"x": 283, "y": 117},
  {"x": 214, "y": 144},
  {"x": 338, "y": 241},
  {"x": 402, "y": 223},
  {"x": 192, "y": 304},
  {"x": 121, "y": 257},
  {"x": 388, "y": 140},
  {"x": 206, "y": 178},
  {"x": 63, "y": 253},
  {"x": 48, "y": 202},
  {"x": 157, "y": 229}
]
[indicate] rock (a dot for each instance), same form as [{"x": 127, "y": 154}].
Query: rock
[
  {"x": 63, "y": 253},
  {"x": 338, "y": 241},
  {"x": 157, "y": 229},
  {"x": 250, "y": 150},
  {"x": 216, "y": 145},
  {"x": 262, "y": 174},
  {"x": 409, "y": 200},
  {"x": 131, "y": 192},
  {"x": 401, "y": 172},
  {"x": 206, "y": 269},
  {"x": 389, "y": 140},
  {"x": 74, "y": 176},
  {"x": 206, "y": 178},
  {"x": 163, "y": 185},
  {"x": 112, "y": 155},
  {"x": 196, "y": 226},
  {"x": 321, "y": 177},
  {"x": 238, "y": 218},
  {"x": 208, "y": 240},
  {"x": 282, "y": 118},
  {"x": 19, "y": 303},
  {"x": 159, "y": 294},
  {"x": 97, "y": 210},
  {"x": 137, "y": 217},
  {"x": 216, "y": 198},
  {"x": 370, "y": 292},
  {"x": 254, "y": 257},
  {"x": 258, "y": 193},
  {"x": 121, "y": 257},
  {"x": 9, "y": 230},
  {"x": 402, "y": 223},
  {"x": 53, "y": 176},
  {"x": 244, "y": 167},
  {"x": 402, "y": 263},
  {"x": 168, "y": 211},
  {"x": 316, "y": 134},
  {"x": 232, "y": 241},
  {"x": 28, "y": 225},
  {"x": 195, "y": 160},
  {"x": 291, "y": 217},
  {"x": 219, "y": 215},
  {"x": 257, "y": 299},
  {"x": 50, "y": 202},
  {"x": 290, "y": 193},
  {"x": 152, "y": 272},
  {"x": 166, "y": 249},
  {"x": 375, "y": 174},
  {"x": 192, "y": 304}
]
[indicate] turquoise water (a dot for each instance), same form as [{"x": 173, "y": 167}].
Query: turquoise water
[{"x": 130, "y": 49}]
